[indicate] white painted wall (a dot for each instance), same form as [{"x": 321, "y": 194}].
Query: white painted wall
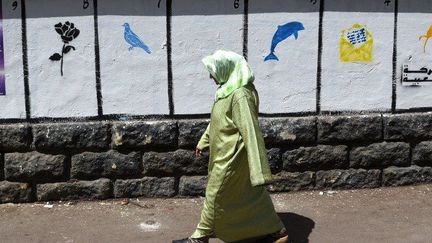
[
  {"x": 198, "y": 28},
  {"x": 287, "y": 85},
  {"x": 52, "y": 95},
  {"x": 414, "y": 19},
  {"x": 357, "y": 85},
  {"x": 13, "y": 104},
  {"x": 136, "y": 83},
  {"x": 133, "y": 82}
]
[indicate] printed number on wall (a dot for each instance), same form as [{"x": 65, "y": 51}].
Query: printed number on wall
[
  {"x": 313, "y": 1},
  {"x": 387, "y": 2},
  {"x": 85, "y": 4},
  {"x": 15, "y": 5},
  {"x": 236, "y": 4}
]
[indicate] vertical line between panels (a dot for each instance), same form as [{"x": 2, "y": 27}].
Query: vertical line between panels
[
  {"x": 97, "y": 61},
  {"x": 169, "y": 60},
  {"x": 25, "y": 60},
  {"x": 394, "y": 79},
  {"x": 245, "y": 28},
  {"x": 320, "y": 44}
]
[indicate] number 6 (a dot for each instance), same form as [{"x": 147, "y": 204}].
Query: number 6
[
  {"x": 85, "y": 4},
  {"x": 236, "y": 4}
]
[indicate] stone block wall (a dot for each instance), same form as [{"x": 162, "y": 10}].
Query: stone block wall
[{"x": 155, "y": 158}]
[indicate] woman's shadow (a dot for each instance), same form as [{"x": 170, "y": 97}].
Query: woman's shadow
[{"x": 298, "y": 228}]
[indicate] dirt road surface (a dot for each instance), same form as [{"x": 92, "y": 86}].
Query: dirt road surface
[{"x": 401, "y": 214}]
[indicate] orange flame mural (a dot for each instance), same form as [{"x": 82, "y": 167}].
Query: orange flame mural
[{"x": 427, "y": 36}]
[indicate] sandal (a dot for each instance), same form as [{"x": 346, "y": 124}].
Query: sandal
[
  {"x": 278, "y": 237},
  {"x": 192, "y": 240}
]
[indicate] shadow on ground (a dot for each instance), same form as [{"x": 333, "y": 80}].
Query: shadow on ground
[{"x": 299, "y": 228}]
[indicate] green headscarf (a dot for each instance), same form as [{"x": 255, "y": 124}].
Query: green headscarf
[{"x": 230, "y": 70}]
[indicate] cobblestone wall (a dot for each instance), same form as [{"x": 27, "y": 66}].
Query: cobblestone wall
[{"x": 99, "y": 160}]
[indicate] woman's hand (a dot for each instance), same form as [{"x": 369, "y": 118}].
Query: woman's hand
[{"x": 198, "y": 152}]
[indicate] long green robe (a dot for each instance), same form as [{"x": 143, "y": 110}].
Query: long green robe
[{"x": 237, "y": 205}]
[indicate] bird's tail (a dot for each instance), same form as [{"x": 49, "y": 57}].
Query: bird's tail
[
  {"x": 271, "y": 56},
  {"x": 146, "y": 49}
]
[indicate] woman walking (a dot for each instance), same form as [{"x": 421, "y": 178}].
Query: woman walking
[{"x": 237, "y": 205}]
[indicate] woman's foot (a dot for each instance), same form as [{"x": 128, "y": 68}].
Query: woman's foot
[
  {"x": 278, "y": 237},
  {"x": 192, "y": 240}
]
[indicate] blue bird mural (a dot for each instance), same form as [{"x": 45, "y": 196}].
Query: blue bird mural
[
  {"x": 282, "y": 33},
  {"x": 133, "y": 40}
]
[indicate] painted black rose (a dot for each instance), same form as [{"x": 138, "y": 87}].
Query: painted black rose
[{"x": 68, "y": 32}]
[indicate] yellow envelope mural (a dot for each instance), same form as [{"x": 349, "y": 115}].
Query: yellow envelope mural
[{"x": 356, "y": 44}]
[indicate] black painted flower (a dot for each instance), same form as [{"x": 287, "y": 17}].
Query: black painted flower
[{"x": 67, "y": 31}]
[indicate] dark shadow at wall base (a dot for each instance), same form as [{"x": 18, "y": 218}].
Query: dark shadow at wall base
[{"x": 298, "y": 227}]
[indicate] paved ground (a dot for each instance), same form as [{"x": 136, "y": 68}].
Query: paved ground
[{"x": 380, "y": 215}]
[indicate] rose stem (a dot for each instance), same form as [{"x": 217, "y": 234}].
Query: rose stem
[{"x": 61, "y": 65}]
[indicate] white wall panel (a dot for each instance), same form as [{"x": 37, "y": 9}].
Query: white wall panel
[
  {"x": 74, "y": 93},
  {"x": 287, "y": 85},
  {"x": 414, "y": 20},
  {"x": 13, "y": 103},
  {"x": 357, "y": 86},
  {"x": 133, "y": 81},
  {"x": 198, "y": 29}
]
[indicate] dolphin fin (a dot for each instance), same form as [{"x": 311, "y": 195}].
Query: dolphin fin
[
  {"x": 271, "y": 56},
  {"x": 296, "y": 35}
]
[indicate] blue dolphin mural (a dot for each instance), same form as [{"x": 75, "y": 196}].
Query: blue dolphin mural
[
  {"x": 282, "y": 33},
  {"x": 133, "y": 40}
]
